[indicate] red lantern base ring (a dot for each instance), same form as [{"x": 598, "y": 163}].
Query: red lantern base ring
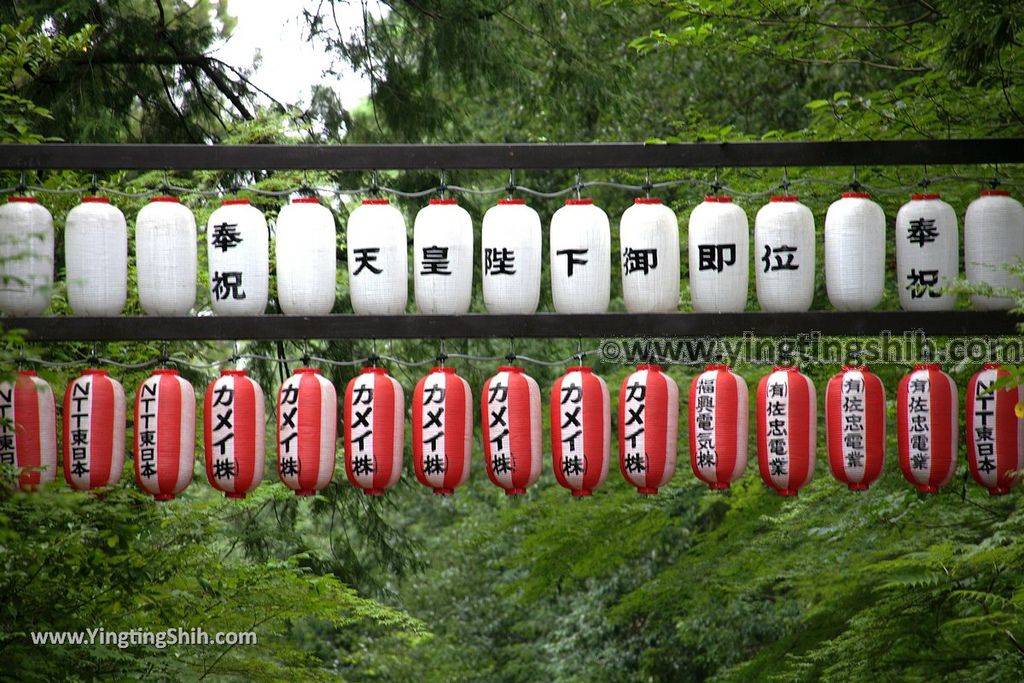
[
  {"x": 444, "y": 491},
  {"x": 374, "y": 492},
  {"x": 647, "y": 490},
  {"x": 858, "y": 487},
  {"x": 719, "y": 485},
  {"x": 515, "y": 492},
  {"x": 235, "y": 496},
  {"x": 927, "y": 489},
  {"x": 581, "y": 493},
  {"x": 998, "y": 491},
  {"x": 305, "y": 492},
  {"x": 163, "y": 496},
  {"x": 787, "y": 493}
]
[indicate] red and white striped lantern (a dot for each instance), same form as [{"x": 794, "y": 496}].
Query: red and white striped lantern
[
  {"x": 719, "y": 425},
  {"x": 995, "y": 436},
  {"x": 374, "y": 417},
  {"x": 307, "y": 431},
  {"x": 510, "y": 414},
  {"x": 581, "y": 428},
  {"x": 648, "y": 428},
  {"x": 926, "y": 427},
  {"x": 442, "y": 430},
  {"x": 855, "y": 426},
  {"x": 234, "y": 432},
  {"x": 94, "y": 430},
  {"x": 28, "y": 429},
  {"x": 787, "y": 429},
  {"x": 165, "y": 434}
]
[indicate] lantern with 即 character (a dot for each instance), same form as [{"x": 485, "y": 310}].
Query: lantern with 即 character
[{"x": 719, "y": 249}]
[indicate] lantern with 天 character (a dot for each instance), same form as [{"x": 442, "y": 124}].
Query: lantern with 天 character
[
  {"x": 719, "y": 248},
  {"x": 237, "y": 247},
  {"x": 926, "y": 427},
  {"x": 233, "y": 433},
  {"x": 648, "y": 428},
  {"x": 442, "y": 430},
  {"x": 165, "y": 257},
  {"x": 28, "y": 429},
  {"x": 374, "y": 417},
  {"x": 649, "y": 246},
  {"x": 443, "y": 258},
  {"x": 855, "y": 252},
  {"x": 511, "y": 257},
  {"x": 993, "y": 241},
  {"x": 165, "y": 434},
  {"x": 94, "y": 430},
  {"x": 26, "y": 257},
  {"x": 787, "y": 429},
  {"x": 927, "y": 253},
  {"x": 305, "y": 248},
  {"x": 378, "y": 259},
  {"x": 96, "y": 258},
  {"x": 510, "y": 414},
  {"x": 719, "y": 424},
  {"x": 784, "y": 255},
  {"x": 581, "y": 428},
  {"x": 307, "y": 431},
  {"x": 995, "y": 435},
  {"x": 855, "y": 426},
  {"x": 580, "y": 258}
]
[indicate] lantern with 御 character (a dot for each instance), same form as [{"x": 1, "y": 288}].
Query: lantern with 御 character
[
  {"x": 649, "y": 255},
  {"x": 237, "y": 246}
]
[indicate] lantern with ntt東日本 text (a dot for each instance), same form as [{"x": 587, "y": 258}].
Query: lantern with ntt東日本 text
[
  {"x": 787, "y": 429},
  {"x": 995, "y": 435},
  {"x": 443, "y": 258},
  {"x": 580, "y": 430},
  {"x": 855, "y": 426},
  {"x": 927, "y": 253},
  {"x": 648, "y": 428},
  {"x": 719, "y": 424},
  {"x": 511, "y": 429},
  {"x": 926, "y": 427},
  {"x": 649, "y": 257},
  {"x": 305, "y": 247},
  {"x": 94, "y": 430},
  {"x": 784, "y": 247},
  {"x": 580, "y": 258},
  {"x": 165, "y": 434},
  {"x": 165, "y": 257},
  {"x": 855, "y": 252},
  {"x": 510, "y": 253},
  {"x": 378, "y": 259},
  {"x": 26, "y": 257},
  {"x": 28, "y": 429},
  {"x": 234, "y": 429},
  {"x": 442, "y": 430},
  {"x": 719, "y": 250},
  {"x": 96, "y": 258},
  {"x": 307, "y": 431},
  {"x": 993, "y": 242},
  {"x": 374, "y": 426},
  {"x": 237, "y": 247}
]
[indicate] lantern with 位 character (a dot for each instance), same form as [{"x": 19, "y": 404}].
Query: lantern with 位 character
[
  {"x": 784, "y": 255},
  {"x": 307, "y": 431},
  {"x": 374, "y": 430},
  {"x": 581, "y": 427}
]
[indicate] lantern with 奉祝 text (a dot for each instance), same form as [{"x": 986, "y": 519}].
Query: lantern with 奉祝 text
[
  {"x": 28, "y": 429},
  {"x": 378, "y": 259},
  {"x": 94, "y": 430},
  {"x": 719, "y": 425},
  {"x": 165, "y": 257},
  {"x": 927, "y": 253},
  {"x": 648, "y": 428},
  {"x": 511, "y": 425},
  {"x": 237, "y": 247},
  {"x": 234, "y": 430},
  {"x": 649, "y": 255},
  {"x": 719, "y": 250},
  {"x": 580, "y": 258},
  {"x": 442, "y": 430},
  {"x": 510, "y": 252},
  {"x": 374, "y": 417},
  {"x": 995, "y": 435},
  {"x": 305, "y": 247},
  {"x": 784, "y": 255},
  {"x": 26, "y": 257},
  {"x": 993, "y": 241},
  {"x": 443, "y": 258},
  {"x": 307, "y": 431},
  {"x": 581, "y": 428},
  {"x": 926, "y": 427},
  {"x": 96, "y": 258},
  {"x": 855, "y": 426},
  {"x": 165, "y": 434},
  {"x": 855, "y": 252},
  {"x": 787, "y": 429}
]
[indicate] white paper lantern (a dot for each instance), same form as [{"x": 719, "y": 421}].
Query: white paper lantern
[
  {"x": 993, "y": 240},
  {"x": 237, "y": 246},
  {"x": 719, "y": 247},
  {"x": 165, "y": 257},
  {"x": 855, "y": 252},
  {"x": 378, "y": 259},
  {"x": 580, "y": 253},
  {"x": 306, "y": 256},
  {"x": 26, "y": 257},
  {"x": 649, "y": 257},
  {"x": 784, "y": 255},
  {"x": 443, "y": 258},
  {"x": 510, "y": 246},
  {"x": 96, "y": 258},
  {"x": 927, "y": 253}
]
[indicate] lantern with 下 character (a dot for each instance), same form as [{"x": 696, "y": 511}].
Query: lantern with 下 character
[
  {"x": 234, "y": 429},
  {"x": 993, "y": 241},
  {"x": 927, "y": 253},
  {"x": 28, "y": 429},
  {"x": 719, "y": 425},
  {"x": 784, "y": 255},
  {"x": 237, "y": 247},
  {"x": 995, "y": 436},
  {"x": 511, "y": 256},
  {"x": 26, "y": 257},
  {"x": 648, "y": 428},
  {"x": 305, "y": 247},
  {"x": 855, "y": 252},
  {"x": 511, "y": 419},
  {"x": 94, "y": 430},
  {"x": 855, "y": 426},
  {"x": 442, "y": 430},
  {"x": 374, "y": 430},
  {"x": 165, "y": 434},
  {"x": 580, "y": 258},
  {"x": 719, "y": 248},
  {"x": 581, "y": 428},
  {"x": 378, "y": 259},
  {"x": 96, "y": 258},
  {"x": 787, "y": 429},
  {"x": 926, "y": 427},
  {"x": 307, "y": 431},
  {"x": 165, "y": 257},
  {"x": 649, "y": 244},
  {"x": 443, "y": 258}
]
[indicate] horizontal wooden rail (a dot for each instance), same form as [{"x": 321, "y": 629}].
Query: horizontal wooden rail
[{"x": 541, "y": 325}]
